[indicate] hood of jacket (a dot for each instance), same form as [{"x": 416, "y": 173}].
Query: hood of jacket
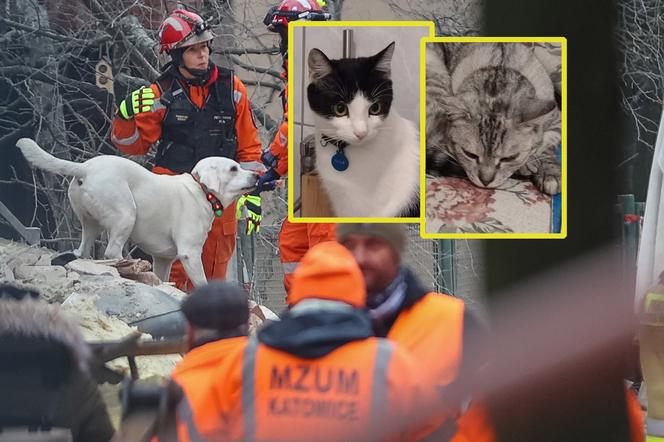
[{"x": 313, "y": 329}]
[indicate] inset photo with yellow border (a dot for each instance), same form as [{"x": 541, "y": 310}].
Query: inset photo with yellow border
[
  {"x": 494, "y": 148},
  {"x": 354, "y": 121}
]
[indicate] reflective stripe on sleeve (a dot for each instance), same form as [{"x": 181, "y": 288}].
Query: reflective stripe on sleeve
[
  {"x": 289, "y": 267},
  {"x": 126, "y": 141}
]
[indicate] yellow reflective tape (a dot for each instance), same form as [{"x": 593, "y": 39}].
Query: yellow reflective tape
[{"x": 654, "y": 298}]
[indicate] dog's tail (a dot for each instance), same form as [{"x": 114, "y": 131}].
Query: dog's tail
[{"x": 41, "y": 159}]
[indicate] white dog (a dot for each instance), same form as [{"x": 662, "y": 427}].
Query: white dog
[{"x": 167, "y": 216}]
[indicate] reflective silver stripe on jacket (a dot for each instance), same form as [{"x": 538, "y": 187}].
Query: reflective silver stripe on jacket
[
  {"x": 379, "y": 396},
  {"x": 248, "y": 395},
  {"x": 126, "y": 141},
  {"x": 186, "y": 415},
  {"x": 237, "y": 96},
  {"x": 289, "y": 267}
]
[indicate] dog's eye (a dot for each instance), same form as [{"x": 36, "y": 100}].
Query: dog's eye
[{"x": 233, "y": 168}]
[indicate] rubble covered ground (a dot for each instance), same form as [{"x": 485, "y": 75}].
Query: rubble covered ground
[{"x": 103, "y": 303}]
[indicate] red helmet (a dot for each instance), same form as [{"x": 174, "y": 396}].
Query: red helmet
[
  {"x": 181, "y": 29},
  {"x": 292, "y": 10}
]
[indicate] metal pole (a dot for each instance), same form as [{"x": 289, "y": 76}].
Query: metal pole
[{"x": 348, "y": 43}]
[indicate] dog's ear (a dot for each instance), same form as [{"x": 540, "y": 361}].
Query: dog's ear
[{"x": 209, "y": 175}]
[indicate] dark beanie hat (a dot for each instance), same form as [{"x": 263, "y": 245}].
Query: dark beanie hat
[
  {"x": 219, "y": 305},
  {"x": 394, "y": 234}
]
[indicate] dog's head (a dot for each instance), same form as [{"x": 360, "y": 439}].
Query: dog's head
[{"x": 224, "y": 178}]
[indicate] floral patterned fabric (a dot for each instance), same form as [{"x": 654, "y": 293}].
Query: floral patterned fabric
[{"x": 455, "y": 205}]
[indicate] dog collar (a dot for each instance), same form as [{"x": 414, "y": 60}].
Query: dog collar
[
  {"x": 339, "y": 160},
  {"x": 217, "y": 208}
]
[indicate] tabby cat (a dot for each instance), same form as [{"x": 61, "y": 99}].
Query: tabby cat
[
  {"x": 492, "y": 114},
  {"x": 367, "y": 156}
]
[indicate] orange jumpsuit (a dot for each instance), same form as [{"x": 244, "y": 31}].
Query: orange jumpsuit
[
  {"x": 194, "y": 373},
  {"x": 294, "y": 238},
  {"x": 135, "y": 136}
]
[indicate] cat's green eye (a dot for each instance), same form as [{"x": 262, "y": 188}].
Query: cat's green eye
[
  {"x": 375, "y": 108},
  {"x": 340, "y": 109}
]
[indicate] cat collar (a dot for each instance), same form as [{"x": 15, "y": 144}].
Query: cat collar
[
  {"x": 339, "y": 159},
  {"x": 217, "y": 208}
]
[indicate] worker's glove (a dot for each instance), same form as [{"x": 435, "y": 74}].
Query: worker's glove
[
  {"x": 141, "y": 100},
  {"x": 251, "y": 203},
  {"x": 267, "y": 181},
  {"x": 269, "y": 159}
]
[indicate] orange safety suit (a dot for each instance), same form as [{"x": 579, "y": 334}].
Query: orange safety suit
[
  {"x": 193, "y": 374},
  {"x": 294, "y": 238},
  {"x": 135, "y": 136},
  {"x": 432, "y": 327},
  {"x": 318, "y": 374},
  {"x": 267, "y": 394}
]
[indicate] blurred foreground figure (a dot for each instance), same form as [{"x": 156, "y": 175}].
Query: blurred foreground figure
[
  {"x": 318, "y": 374},
  {"x": 217, "y": 324},
  {"x": 433, "y": 327},
  {"x": 44, "y": 382},
  {"x": 651, "y": 338}
]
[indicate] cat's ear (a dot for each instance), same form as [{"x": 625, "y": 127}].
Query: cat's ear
[
  {"x": 319, "y": 65},
  {"x": 384, "y": 59},
  {"x": 531, "y": 110}
]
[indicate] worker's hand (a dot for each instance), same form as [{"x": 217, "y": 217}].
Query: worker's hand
[
  {"x": 267, "y": 181},
  {"x": 141, "y": 100},
  {"x": 252, "y": 209}
]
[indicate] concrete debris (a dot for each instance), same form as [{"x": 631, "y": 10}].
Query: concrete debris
[
  {"x": 87, "y": 267},
  {"x": 40, "y": 274}
]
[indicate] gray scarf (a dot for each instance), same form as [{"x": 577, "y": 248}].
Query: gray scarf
[{"x": 384, "y": 305}]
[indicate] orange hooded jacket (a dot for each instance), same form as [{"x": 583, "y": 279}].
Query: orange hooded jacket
[{"x": 317, "y": 374}]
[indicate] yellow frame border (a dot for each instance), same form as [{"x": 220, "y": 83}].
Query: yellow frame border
[
  {"x": 563, "y": 176},
  {"x": 291, "y": 121}
]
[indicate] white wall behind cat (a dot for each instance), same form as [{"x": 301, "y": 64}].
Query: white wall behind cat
[{"x": 367, "y": 40}]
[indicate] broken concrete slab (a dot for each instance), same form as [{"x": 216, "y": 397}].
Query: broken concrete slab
[
  {"x": 87, "y": 267},
  {"x": 47, "y": 274}
]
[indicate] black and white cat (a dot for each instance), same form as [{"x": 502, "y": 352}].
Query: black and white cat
[{"x": 367, "y": 156}]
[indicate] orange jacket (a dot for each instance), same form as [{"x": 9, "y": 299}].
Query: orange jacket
[
  {"x": 266, "y": 394},
  {"x": 135, "y": 136},
  {"x": 193, "y": 373},
  {"x": 635, "y": 416},
  {"x": 432, "y": 330},
  {"x": 279, "y": 146}
]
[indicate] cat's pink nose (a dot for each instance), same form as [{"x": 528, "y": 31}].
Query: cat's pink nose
[{"x": 360, "y": 135}]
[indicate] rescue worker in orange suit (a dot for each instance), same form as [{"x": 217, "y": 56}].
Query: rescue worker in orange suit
[
  {"x": 194, "y": 110},
  {"x": 294, "y": 238},
  {"x": 318, "y": 374},
  {"x": 217, "y": 324},
  {"x": 431, "y": 326}
]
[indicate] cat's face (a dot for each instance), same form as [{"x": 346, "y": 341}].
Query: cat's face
[
  {"x": 350, "y": 97},
  {"x": 491, "y": 147}
]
